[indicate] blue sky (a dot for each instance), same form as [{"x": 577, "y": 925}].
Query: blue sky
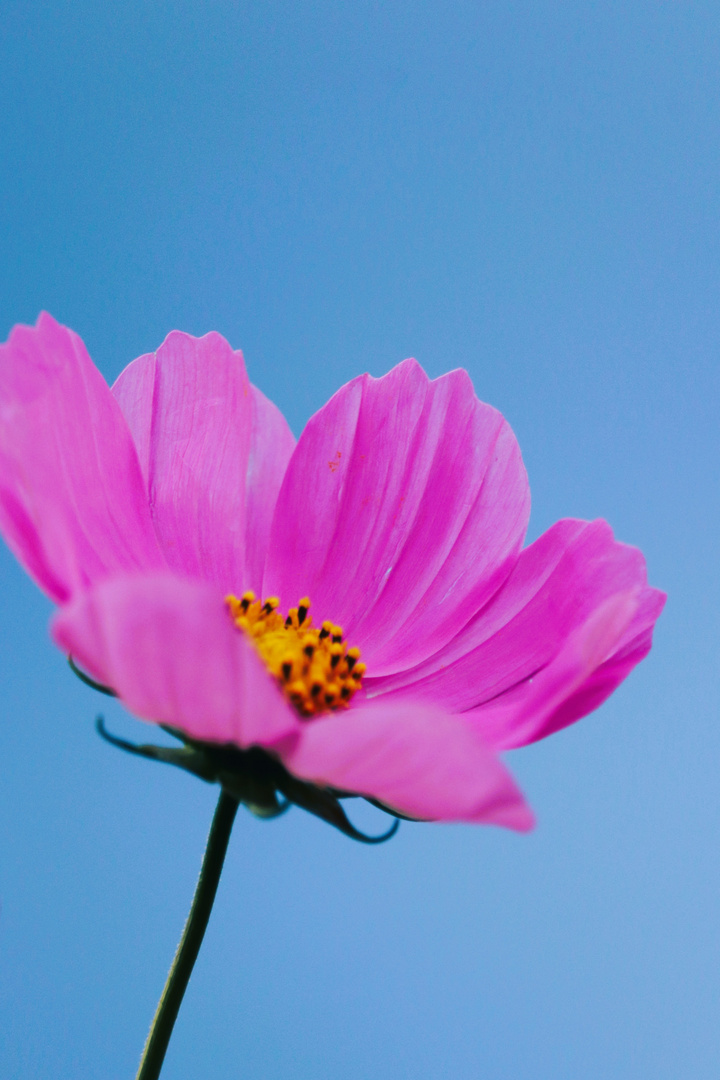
[{"x": 529, "y": 191}]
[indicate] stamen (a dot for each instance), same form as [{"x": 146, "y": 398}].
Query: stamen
[
  {"x": 336, "y": 651},
  {"x": 332, "y": 692},
  {"x": 315, "y": 669},
  {"x": 353, "y": 655},
  {"x": 309, "y": 648}
]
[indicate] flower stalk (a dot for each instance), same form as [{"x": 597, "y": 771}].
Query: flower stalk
[{"x": 191, "y": 940}]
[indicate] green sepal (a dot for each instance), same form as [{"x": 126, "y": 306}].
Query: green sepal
[{"x": 255, "y": 777}]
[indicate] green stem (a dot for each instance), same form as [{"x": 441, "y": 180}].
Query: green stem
[{"x": 191, "y": 940}]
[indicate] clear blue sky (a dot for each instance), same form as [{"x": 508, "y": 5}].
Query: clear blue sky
[{"x": 530, "y": 191}]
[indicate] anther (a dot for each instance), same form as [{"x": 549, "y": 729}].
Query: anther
[
  {"x": 270, "y": 604},
  {"x": 286, "y": 667},
  {"x": 336, "y": 651},
  {"x": 353, "y": 655},
  {"x": 303, "y": 609},
  {"x": 327, "y": 629},
  {"x": 247, "y": 599}
]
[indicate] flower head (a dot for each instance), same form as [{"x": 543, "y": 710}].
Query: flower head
[{"x": 183, "y": 532}]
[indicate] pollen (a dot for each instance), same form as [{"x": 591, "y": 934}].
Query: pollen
[{"x": 316, "y": 670}]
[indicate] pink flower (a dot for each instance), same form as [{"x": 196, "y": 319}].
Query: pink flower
[{"x": 401, "y": 512}]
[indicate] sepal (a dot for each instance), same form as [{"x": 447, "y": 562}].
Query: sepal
[{"x": 254, "y": 777}]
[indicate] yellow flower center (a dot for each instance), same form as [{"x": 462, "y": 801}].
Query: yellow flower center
[{"x": 315, "y": 669}]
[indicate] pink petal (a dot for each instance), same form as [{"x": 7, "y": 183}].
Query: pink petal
[
  {"x": 271, "y": 448},
  {"x": 525, "y": 722},
  {"x": 134, "y": 391},
  {"x": 168, "y": 647},
  {"x": 593, "y": 660},
  {"x": 402, "y": 511},
  {"x": 554, "y": 588},
  {"x": 189, "y": 408},
  {"x": 414, "y": 758},
  {"x": 72, "y": 500}
]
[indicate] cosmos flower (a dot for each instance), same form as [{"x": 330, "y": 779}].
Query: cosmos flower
[{"x": 358, "y": 605}]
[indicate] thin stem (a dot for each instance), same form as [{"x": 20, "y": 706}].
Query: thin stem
[{"x": 191, "y": 940}]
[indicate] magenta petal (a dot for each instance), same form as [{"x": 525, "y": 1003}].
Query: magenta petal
[
  {"x": 403, "y": 510},
  {"x": 189, "y": 407},
  {"x": 554, "y": 588},
  {"x": 271, "y": 448},
  {"x": 577, "y": 679},
  {"x": 168, "y": 647},
  {"x": 134, "y": 391},
  {"x": 415, "y": 759},
  {"x": 72, "y": 500},
  {"x": 521, "y": 724}
]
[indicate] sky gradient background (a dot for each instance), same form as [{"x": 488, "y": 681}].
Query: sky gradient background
[{"x": 529, "y": 191}]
